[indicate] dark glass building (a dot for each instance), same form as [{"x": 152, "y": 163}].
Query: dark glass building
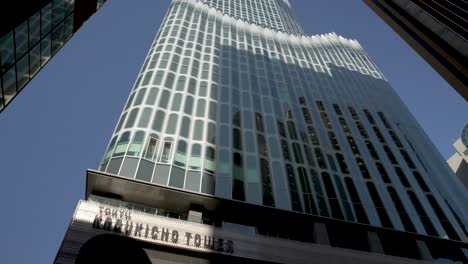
[
  {"x": 244, "y": 140},
  {"x": 437, "y": 30},
  {"x": 31, "y": 33}
]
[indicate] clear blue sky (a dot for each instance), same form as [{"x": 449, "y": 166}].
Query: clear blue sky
[{"x": 61, "y": 123}]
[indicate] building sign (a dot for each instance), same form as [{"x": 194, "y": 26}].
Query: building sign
[{"x": 120, "y": 221}]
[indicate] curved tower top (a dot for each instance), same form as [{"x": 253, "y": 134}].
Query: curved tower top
[{"x": 273, "y": 14}]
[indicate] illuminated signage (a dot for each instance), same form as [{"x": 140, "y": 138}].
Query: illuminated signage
[{"x": 120, "y": 221}]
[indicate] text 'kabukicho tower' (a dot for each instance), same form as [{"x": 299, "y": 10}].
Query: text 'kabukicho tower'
[{"x": 246, "y": 141}]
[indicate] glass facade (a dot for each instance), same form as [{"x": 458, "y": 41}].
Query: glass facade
[
  {"x": 25, "y": 49},
  {"x": 233, "y": 100}
]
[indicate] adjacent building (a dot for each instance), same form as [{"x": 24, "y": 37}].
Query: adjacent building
[
  {"x": 31, "y": 33},
  {"x": 244, "y": 140},
  {"x": 437, "y": 30},
  {"x": 459, "y": 161}
]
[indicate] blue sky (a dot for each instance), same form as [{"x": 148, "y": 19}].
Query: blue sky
[{"x": 61, "y": 123}]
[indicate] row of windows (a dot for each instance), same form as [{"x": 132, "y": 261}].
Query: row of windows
[{"x": 28, "y": 47}]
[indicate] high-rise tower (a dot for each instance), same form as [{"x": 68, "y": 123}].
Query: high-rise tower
[
  {"x": 266, "y": 145},
  {"x": 437, "y": 30}
]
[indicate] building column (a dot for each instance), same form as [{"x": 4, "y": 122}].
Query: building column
[
  {"x": 321, "y": 234},
  {"x": 423, "y": 250},
  {"x": 374, "y": 243}
]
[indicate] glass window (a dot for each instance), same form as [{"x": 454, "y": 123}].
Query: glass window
[
  {"x": 308, "y": 196},
  {"x": 185, "y": 128},
  {"x": 181, "y": 83},
  {"x": 164, "y": 100},
  {"x": 172, "y": 124},
  {"x": 131, "y": 118},
  {"x": 209, "y": 160},
  {"x": 58, "y": 12},
  {"x": 9, "y": 84},
  {"x": 7, "y": 51},
  {"x": 177, "y": 177},
  {"x": 383, "y": 172},
  {"x": 188, "y": 107},
  {"x": 405, "y": 219},
  {"x": 390, "y": 155},
  {"x": 208, "y": 184},
  {"x": 237, "y": 139},
  {"x": 165, "y": 154},
  {"x": 293, "y": 189},
  {"x": 176, "y": 102},
  {"x": 212, "y": 111},
  {"x": 35, "y": 59},
  {"x": 238, "y": 191},
  {"x": 201, "y": 108},
  {"x": 68, "y": 27},
  {"x": 402, "y": 177},
  {"x": 140, "y": 96},
  {"x": 122, "y": 144},
  {"x": 363, "y": 168},
  {"x": 34, "y": 29},
  {"x": 268, "y": 197},
  {"x": 151, "y": 148},
  {"x": 130, "y": 100},
  {"x": 342, "y": 163},
  {"x": 195, "y": 157},
  {"x": 426, "y": 221},
  {"x": 110, "y": 148},
  {"x": 198, "y": 130},
  {"x": 45, "y": 49},
  {"x": 372, "y": 150},
  {"x": 46, "y": 19},
  {"x": 358, "y": 208},
  {"x": 158, "y": 78},
  {"x": 320, "y": 158},
  {"x": 297, "y": 153},
  {"x": 262, "y": 147},
  {"x": 153, "y": 93},
  {"x": 407, "y": 159},
  {"x": 332, "y": 198},
  {"x": 21, "y": 39},
  {"x": 137, "y": 144},
  {"x": 379, "y": 207},
  {"x": 211, "y": 133},
  {"x": 57, "y": 38},
  {"x": 180, "y": 157},
  {"x": 22, "y": 72},
  {"x": 158, "y": 120},
  {"x": 421, "y": 181},
  {"x": 451, "y": 233}
]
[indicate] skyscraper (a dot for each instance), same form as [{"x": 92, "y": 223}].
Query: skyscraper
[
  {"x": 459, "y": 161},
  {"x": 244, "y": 140},
  {"x": 31, "y": 32},
  {"x": 437, "y": 30}
]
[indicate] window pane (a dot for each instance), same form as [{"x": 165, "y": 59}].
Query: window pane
[
  {"x": 7, "y": 50},
  {"x": 22, "y": 72},
  {"x": 45, "y": 50},
  {"x": 21, "y": 39},
  {"x": 34, "y": 29},
  {"x": 9, "y": 84},
  {"x": 46, "y": 19}
]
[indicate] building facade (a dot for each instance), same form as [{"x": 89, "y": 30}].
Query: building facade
[
  {"x": 31, "y": 33},
  {"x": 274, "y": 142},
  {"x": 459, "y": 161},
  {"x": 437, "y": 30}
]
